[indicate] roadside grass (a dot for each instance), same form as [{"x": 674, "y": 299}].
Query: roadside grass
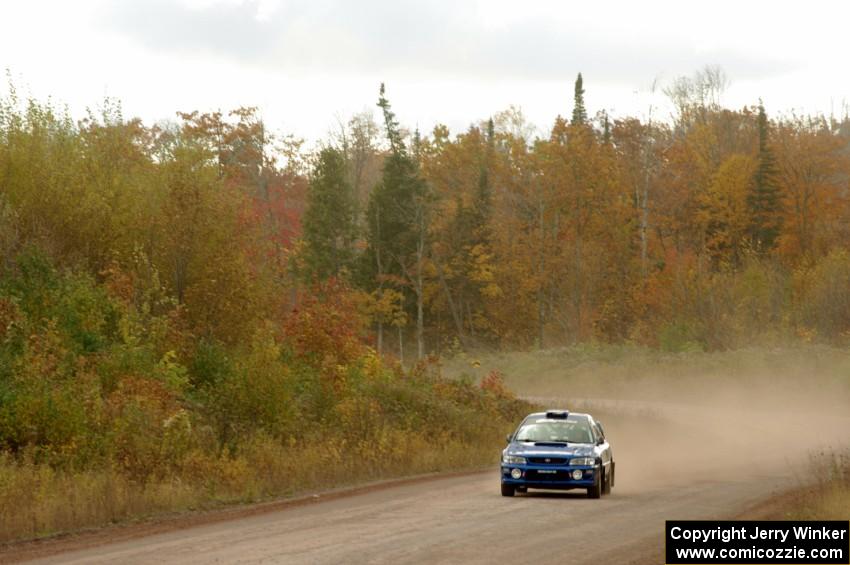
[
  {"x": 37, "y": 500},
  {"x": 829, "y": 497},
  {"x": 829, "y": 503}
]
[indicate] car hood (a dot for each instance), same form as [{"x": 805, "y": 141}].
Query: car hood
[{"x": 531, "y": 450}]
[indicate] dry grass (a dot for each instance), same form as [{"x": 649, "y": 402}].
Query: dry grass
[
  {"x": 832, "y": 503},
  {"x": 829, "y": 498},
  {"x": 37, "y": 500},
  {"x": 824, "y": 494}
]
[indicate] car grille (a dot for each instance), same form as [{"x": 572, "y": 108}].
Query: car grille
[
  {"x": 547, "y": 460},
  {"x": 533, "y": 475}
]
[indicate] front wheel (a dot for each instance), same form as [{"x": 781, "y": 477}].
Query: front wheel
[
  {"x": 507, "y": 490},
  {"x": 607, "y": 479},
  {"x": 596, "y": 490}
]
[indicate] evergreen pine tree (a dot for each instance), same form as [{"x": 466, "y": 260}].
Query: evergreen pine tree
[
  {"x": 765, "y": 200},
  {"x": 579, "y": 111},
  {"x": 483, "y": 195},
  {"x": 329, "y": 223},
  {"x": 393, "y": 201},
  {"x": 397, "y": 219},
  {"x": 390, "y": 124}
]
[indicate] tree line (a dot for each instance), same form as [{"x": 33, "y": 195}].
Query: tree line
[
  {"x": 714, "y": 229},
  {"x": 711, "y": 229}
]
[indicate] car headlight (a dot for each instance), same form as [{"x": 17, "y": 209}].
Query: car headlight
[
  {"x": 583, "y": 461},
  {"x": 513, "y": 460}
]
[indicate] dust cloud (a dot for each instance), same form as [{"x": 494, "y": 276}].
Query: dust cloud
[{"x": 706, "y": 417}]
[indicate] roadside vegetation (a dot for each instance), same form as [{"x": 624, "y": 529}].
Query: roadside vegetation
[
  {"x": 823, "y": 492},
  {"x": 108, "y": 411},
  {"x": 829, "y": 497}
]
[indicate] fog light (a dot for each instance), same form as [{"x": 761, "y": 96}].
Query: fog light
[
  {"x": 516, "y": 473},
  {"x": 577, "y": 475}
]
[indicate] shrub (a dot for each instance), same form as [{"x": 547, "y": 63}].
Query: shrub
[
  {"x": 326, "y": 327},
  {"x": 823, "y": 295}
]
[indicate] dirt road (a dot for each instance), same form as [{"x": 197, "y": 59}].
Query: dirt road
[
  {"x": 458, "y": 520},
  {"x": 672, "y": 462}
]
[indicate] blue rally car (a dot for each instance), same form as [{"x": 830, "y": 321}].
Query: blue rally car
[{"x": 560, "y": 450}]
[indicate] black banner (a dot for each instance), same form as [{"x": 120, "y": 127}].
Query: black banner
[{"x": 694, "y": 542}]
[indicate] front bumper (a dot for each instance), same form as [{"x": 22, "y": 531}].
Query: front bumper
[{"x": 549, "y": 476}]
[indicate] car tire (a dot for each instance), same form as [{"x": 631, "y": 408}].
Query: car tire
[
  {"x": 596, "y": 490},
  {"x": 606, "y": 481},
  {"x": 507, "y": 490}
]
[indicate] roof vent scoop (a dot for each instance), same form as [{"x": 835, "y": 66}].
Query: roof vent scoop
[{"x": 557, "y": 414}]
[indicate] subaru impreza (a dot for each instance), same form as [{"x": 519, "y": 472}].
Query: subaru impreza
[{"x": 558, "y": 450}]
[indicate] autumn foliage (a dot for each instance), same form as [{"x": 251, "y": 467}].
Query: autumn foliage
[
  {"x": 160, "y": 349},
  {"x": 326, "y": 326}
]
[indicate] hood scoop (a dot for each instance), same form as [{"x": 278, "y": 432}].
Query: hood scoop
[{"x": 550, "y": 443}]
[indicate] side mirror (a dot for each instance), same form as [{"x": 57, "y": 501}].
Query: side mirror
[
  {"x": 600, "y": 441},
  {"x": 508, "y": 438}
]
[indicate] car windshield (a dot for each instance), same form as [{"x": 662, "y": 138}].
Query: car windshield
[{"x": 569, "y": 431}]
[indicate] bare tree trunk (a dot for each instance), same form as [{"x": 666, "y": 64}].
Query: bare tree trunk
[
  {"x": 541, "y": 292},
  {"x": 577, "y": 286},
  {"x": 420, "y": 289},
  {"x": 417, "y": 280},
  {"x": 456, "y": 318},
  {"x": 644, "y": 224},
  {"x": 578, "y": 277},
  {"x": 554, "y": 294},
  {"x": 380, "y": 267},
  {"x": 420, "y": 326},
  {"x": 643, "y": 201}
]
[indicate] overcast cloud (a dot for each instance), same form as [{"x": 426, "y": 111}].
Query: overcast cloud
[
  {"x": 442, "y": 38},
  {"x": 306, "y": 62}
]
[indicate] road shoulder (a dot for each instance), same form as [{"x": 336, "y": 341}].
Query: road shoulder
[{"x": 26, "y": 550}]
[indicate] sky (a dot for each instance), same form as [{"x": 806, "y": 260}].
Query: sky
[{"x": 307, "y": 64}]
